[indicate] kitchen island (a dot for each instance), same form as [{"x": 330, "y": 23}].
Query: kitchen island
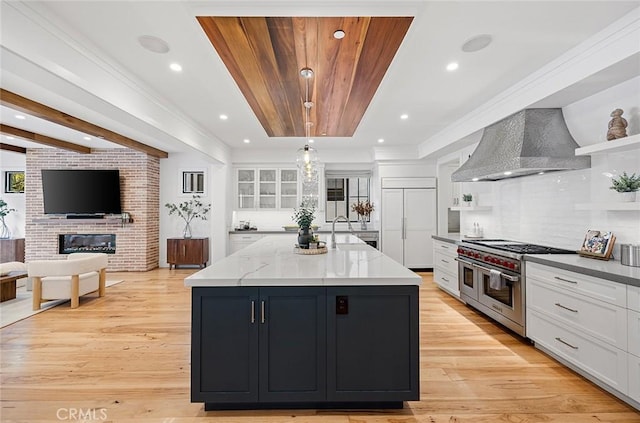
[{"x": 274, "y": 329}]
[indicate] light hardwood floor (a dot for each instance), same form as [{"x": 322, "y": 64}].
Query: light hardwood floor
[{"x": 126, "y": 356}]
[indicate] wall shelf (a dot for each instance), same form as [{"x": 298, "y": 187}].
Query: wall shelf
[
  {"x": 629, "y": 143},
  {"x": 471, "y": 208},
  {"x": 61, "y": 220},
  {"x": 608, "y": 206}
]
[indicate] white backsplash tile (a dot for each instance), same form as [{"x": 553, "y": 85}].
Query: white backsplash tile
[{"x": 541, "y": 208}]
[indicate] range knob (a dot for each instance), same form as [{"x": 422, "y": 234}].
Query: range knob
[
  {"x": 511, "y": 265},
  {"x": 487, "y": 258},
  {"x": 476, "y": 255},
  {"x": 459, "y": 251}
]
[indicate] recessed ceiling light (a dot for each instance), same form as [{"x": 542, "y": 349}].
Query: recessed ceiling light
[
  {"x": 10, "y": 138},
  {"x": 540, "y": 173},
  {"x": 87, "y": 138},
  {"x": 477, "y": 43},
  {"x": 311, "y": 141},
  {"x": 21, "y": 117},
  {"x": 339, "y": 34},
  {"x": 247, "y": 141},
  {"x": 507, "y": 173},
  {"x": 224, "y": 117},
  {"x": 452, "y": 66},
  {"x": 175, "y": 67},
  {"x": 380, "y": 140},
  {"x": 153, "y": 44},
  {"x": 475, "y": 179},
  {"x": 404, "y": 116}
]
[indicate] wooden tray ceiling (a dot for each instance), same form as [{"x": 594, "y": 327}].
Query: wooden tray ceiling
[{"x": 265, "y": 56}]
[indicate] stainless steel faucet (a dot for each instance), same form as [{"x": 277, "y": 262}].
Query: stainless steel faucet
[{"x": 333, "y": 229}]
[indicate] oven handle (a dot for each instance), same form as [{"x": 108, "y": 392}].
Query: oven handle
[{"x": 508, "y": 277}]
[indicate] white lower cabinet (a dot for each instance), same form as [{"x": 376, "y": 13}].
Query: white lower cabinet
[
  {"x": 634, "y": 377},
  {"x": 599, "y": 359},
  {"x": 445, "y": 267},
  {"x": 585, "y": 321},
  {"x": 239, "y": 241}
]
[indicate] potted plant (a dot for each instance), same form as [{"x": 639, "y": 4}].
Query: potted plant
[
  {"x": 189, "y": 210},
  {"x": 363, "y": 209},
  {"x": 467, "y": 198},
  {"x": 304, "y": 216},
  {"x": 4, "y": 211},
  {"x": 627, "y": 185}
]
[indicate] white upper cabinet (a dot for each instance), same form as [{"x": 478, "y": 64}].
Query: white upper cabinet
[{"x": 266, "y": 188}]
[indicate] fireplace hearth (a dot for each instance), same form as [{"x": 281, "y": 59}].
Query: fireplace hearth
[{"x": 87, "y": 243}]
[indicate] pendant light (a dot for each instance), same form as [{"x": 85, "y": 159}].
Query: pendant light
[{"x": 307, "y": 157}]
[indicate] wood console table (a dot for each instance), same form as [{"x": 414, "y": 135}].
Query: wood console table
[
  {"x": 187, "y": 251},
  {"x": 8, "y": 285}
]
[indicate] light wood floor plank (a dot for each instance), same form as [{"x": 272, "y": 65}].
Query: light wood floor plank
[{"x": 129, "y": 354}]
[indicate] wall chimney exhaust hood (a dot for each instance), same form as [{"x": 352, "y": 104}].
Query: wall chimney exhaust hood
[{"x": 529, "y": 142}]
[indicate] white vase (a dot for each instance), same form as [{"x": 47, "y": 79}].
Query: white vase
[{"x": 628, "y": 197}]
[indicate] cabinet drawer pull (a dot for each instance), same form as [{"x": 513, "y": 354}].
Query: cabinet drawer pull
[
  {"x": 445, "y": 279},
  {"x": 253, "y": 311},
  {"x": 444, "y": 246},
  {"x": 566, "y": 308},
  {"x": 261, "y": 311},
  {"x": 184, "y": 250},
  {"x": 566, "y": 343},
  {"x": 565, "y": 280},
  {"x": 444, "y": 261}
]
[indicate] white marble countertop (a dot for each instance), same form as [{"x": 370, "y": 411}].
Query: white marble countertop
[
  {"x": 271, "y": 261},
  {"x": 610, "y": 270}
]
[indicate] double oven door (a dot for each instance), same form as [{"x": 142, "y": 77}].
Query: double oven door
[{"x": 504, "y": 298}]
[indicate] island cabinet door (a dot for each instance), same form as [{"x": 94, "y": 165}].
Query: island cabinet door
[
  {"x": 224, "y": 345},
  {"x": 372, "y": 343},
  {"x": 292, "y": 344}
]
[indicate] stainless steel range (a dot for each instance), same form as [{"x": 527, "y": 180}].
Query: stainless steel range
[{"x": 491, "y": 278}]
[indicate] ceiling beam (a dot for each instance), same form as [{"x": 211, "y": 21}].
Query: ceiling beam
[
  {"x": 43, "y": 139},
  {"x": 17, "y": 102},
  {"x": 13, "y": 148}
]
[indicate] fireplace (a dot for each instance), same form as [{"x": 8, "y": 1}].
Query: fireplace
[{"x": 87, "y": 243}]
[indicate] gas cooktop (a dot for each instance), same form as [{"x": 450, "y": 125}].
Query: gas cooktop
[{"x": 518, "y": 247}]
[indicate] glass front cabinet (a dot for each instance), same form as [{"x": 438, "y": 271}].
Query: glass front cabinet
[{"x": 266, "y": 189}]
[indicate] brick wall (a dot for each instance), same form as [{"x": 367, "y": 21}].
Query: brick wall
[{"x": 137, "y": 243}]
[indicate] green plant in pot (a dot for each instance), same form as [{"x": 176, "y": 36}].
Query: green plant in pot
[
  {"x": 627, "y": 185},
  {"x": 467, "y": 198},
  {"x": 189, "y": 210},
  {"x": 304, "y": 216}
]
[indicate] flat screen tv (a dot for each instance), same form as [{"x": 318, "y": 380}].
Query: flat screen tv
[{"x": 81, "y": 192}]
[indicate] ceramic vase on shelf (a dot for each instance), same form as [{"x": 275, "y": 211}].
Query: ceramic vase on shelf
[
  {"x": 628, "y": 197},
  {"x": 363, "y": 223},
  {"x": 305, "y": 236},
  {"x": 186, "y": 233}
]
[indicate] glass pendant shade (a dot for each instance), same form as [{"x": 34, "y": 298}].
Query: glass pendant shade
[{"x": 307, "y": 161}]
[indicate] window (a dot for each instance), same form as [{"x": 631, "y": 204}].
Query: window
[
  {"x": 344, "y": 192},
  {"x": 14, "y": 181}
]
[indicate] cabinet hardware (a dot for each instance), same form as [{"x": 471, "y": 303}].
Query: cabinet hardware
[
  {"x": 444, "y": 261},
  {"x": 444, "y": 246},
  {"x": 445, "y": 279},
  {"x": 566, "y": 343},
  {"x": 253, "y": 311},
  {"x": 184, "y": 250},
  {"x": 261, "y": 311},
  {"x": 564, "y": 280},
  {"x": 566, "y": 308}
]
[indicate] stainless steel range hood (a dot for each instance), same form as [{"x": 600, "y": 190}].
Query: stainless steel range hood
[{"x": 528, "y": 142}]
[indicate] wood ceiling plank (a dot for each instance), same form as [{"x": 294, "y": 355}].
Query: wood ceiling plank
[
  {"x": 43, "y": 139},
  {"x": 384, "y": 37},
  {"x": 13, "y": 148},
  {"x": 265, "y": 55},
  {"x": 17, "y": 102}
]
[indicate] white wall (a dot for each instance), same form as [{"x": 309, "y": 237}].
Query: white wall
[
  {"x": 171, "y": 192},
  {"x": 12, "y": 161},
  {"x": 541, "y": 208}
]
